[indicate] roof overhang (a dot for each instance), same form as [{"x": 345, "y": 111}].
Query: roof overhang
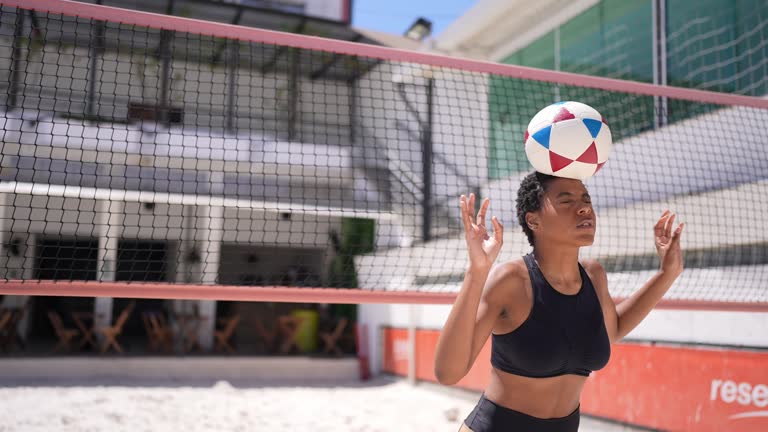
[
  {"x": 494, "y": 29},
  {"x": 277, "y": 19}
]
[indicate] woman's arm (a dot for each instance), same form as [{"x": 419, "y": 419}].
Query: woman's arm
[
  {"x": 471, "y": 321},
  {"x": 634, "y": 309},
  {"x": 475, "y": 310},
  {"x": 623, "y": 318}
]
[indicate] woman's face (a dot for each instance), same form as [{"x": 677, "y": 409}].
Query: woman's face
[{"x": 566, "y": 215}]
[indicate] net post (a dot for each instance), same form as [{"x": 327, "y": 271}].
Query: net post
[
  {"x": 361, "y": 340},
  {"x": 166, "y": 38},
  {"x": 412, "y": 318},
  {"x": 232, "y": 60},
  {"x": 293, "y": 92},
  {"x": 427, "y": 156},
  {"x": 15, "y": 78},
  {"x": 96, "y": 51},
  {"x": 659, "y": 48}
]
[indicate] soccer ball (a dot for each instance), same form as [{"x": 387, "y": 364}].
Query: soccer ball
[{"x": 568, "y": 139}]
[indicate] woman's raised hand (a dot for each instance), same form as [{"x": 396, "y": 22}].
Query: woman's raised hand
[
  {"x": 483, "y": 249},
  {"x": 667, "y": 243}
]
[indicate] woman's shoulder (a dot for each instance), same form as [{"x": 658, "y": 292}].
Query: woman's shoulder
[
  {"x": 509, "y": 287},
  {"x": 593, "y": 267},
  {"x": 514, "y": 268},
  {"x": 597, "y": 275},
  {"x": 508, "y": 276}
]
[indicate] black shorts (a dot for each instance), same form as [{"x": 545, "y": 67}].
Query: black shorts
[{"x": 490, "y": 417}]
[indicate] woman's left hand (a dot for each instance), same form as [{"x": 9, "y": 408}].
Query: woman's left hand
[{"x": 668, "y": 243}]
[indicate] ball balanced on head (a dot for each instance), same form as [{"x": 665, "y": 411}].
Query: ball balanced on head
[{"x": 568, "y": 139}]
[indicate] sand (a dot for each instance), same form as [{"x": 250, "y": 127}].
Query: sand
[{"x": 382, "y": 404}]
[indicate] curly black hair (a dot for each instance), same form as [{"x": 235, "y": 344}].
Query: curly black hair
[{"x": 529, "y": 198}]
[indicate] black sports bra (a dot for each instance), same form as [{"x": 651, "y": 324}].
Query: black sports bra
[{"x": 563, "y": 334}]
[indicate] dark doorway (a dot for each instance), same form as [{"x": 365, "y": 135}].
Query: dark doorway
[
  {"x": 139, "y": 261},
  {"x": 61, "y": 258}
]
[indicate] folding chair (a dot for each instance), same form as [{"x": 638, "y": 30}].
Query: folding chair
[
  {"x": 66, "y": 335},
  {"x": 6, "y": 330},
  {"x": 268, "y": 334},
  {"x": 331, "y": 339},
  {"x": 189, "y": 328},
  {"x": 225, "y": 334},
  {"x": 82, "y": 319},
  {"x": 289, "y": 326},
  {"x": 159, "y": 333},
  {"x": 9, "y": 335},
  {"x": 111, "y": 333},
  {"x": 5, "y": 318},
  {"x": 149, "y": 330}
]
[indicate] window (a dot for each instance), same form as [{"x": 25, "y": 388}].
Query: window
[
  {"x": 716, "y": 45},
  {"x": 612, "y": 39},
  {"x": 512, "y": 103}
]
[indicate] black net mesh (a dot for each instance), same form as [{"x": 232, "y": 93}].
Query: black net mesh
[{"x": 138, "y": 154}]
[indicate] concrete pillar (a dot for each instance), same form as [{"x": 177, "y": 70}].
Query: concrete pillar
[
  {"x": 110, "y": 228},
  {"x": 5, "y": 234},
  {"x": 185, "y": 270},
  {"x": 17, "y": 257},
  {"x": 183, "y": 267},
  {"x": 7, "y": 257},
  {"x": 28, "y": 272},
  {"x": 202, "y": 233},
  {"x": 210, "y": 231}
]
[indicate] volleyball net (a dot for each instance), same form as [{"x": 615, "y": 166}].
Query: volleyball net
[{"x": 148, "y": 155}]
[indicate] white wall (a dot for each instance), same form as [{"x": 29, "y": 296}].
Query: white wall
[
  {"x": 328, "y": 9},
  {"x": 745, "y": 329},
  {"x": 51, "y": 215},
  {"x": 389, "y": 133},
  {"x": 55, "y": 78}
]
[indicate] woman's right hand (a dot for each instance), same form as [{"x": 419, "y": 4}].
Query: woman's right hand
[{"x": 483, "y": 249}]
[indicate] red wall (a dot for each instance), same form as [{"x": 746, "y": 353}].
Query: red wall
[{"x": 664, "y": 387}]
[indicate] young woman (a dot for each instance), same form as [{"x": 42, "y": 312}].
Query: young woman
[{"x": 551, "y": 317}]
